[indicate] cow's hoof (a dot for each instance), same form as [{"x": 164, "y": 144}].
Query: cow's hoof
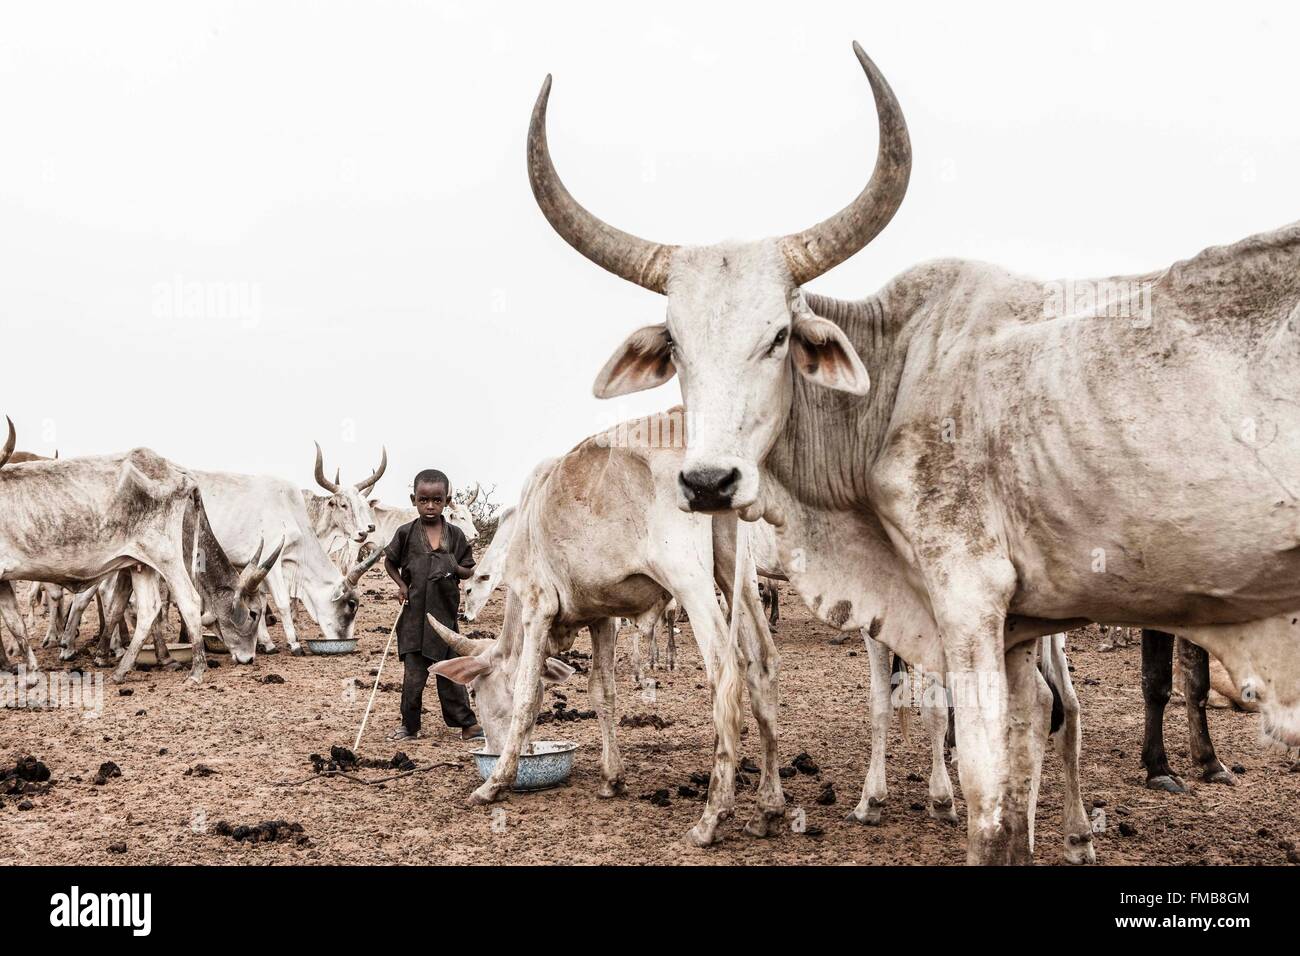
[
  {"x": 614, "y": 788},
  {"x": 119, "y": 677},
  {"x": 703, "y": 835},
  {"x": 297, "y": 650},
  {"x": 1220, "y": 775},
  {"x": 195, "y": 679},
  {"x": 101, "y": 661},
  {"x": 762, "y": 825},
  {"x": 269, "y": 650},
  {"x": 943, "y": 811},
  {"x": 67, "y": 655},
  {"x": 1079, "y": 850},
  {"x": 840, "y": 638},
  {"x": 1167, "y": 782},
  {"x": 485, "y": 795},
  {"x": 867, "y": 812}
]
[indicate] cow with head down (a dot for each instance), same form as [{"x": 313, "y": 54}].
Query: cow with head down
[
  {"x": 938, "y": 456},
  {"x": 597, "y": 535}
]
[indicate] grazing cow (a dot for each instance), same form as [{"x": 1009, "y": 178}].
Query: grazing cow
[
  {"x": 73, "y": 521},
  {"x": 926, "y": 453},
  {"x": 342, "y": 519},
  {"x": 245, "y": 509},
  {"x": 597, "y": 535}
]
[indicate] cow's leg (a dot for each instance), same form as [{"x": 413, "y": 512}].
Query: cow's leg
[
  {"x": 1029, "y": 709},
  {"x": 539, "y": 609},
  {"x": 284, "y": 610},
  {"x": 144, "y": 584},
  {"x": 600, "y": 688},
  {"x": 1196, "y": 685},
  {"x": 13, "y": 619},
  {"x": 119, "y": 593},
  {"x": 935, "y": 711},
  {"x": 190, "y": 607},
  {"x": 1067, "y": 737},
  {"x": 651, "y": 633},
  {"x": 762, "y": 665},
  {"x": 720, "y": 666},
  {"x": 59, "y": 603},
  {"x": 1157, "y": 681},
  {"x": 970, "y": 603},
  {"x": 72, "y": 626},
  {"x": 775, "y": 615},
  {"x": 874, "y": 788}
]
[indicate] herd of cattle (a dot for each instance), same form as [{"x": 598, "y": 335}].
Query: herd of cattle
[
  {"x": 933, "y": 465},
  {"x": 135, "y": 531}
]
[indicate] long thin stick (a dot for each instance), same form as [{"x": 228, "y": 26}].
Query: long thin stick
[{"x": 392, "y": 632}]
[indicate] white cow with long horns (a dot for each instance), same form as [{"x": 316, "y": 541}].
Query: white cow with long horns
[{"x": 940, "y": 455}]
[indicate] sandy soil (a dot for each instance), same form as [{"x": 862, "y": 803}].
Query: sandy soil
[{"x": 257, "y": 735}]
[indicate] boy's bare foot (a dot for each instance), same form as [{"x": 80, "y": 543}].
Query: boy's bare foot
[
  {"x": 401, "y": 733},
  {"x": 471, "y": 733}
]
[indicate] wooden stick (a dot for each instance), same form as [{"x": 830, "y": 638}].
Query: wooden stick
[{"x": 392, "y": 632}]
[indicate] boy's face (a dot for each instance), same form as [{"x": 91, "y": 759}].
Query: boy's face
[{"x": 429, "y": 499}]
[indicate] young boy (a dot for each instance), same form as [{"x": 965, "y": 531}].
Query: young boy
[{"x": 428, "y": 558}]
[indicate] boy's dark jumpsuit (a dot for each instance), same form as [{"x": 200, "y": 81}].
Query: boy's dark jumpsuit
[{"x": 432, "y": 586}]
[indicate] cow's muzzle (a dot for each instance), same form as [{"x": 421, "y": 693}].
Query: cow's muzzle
[{"x": 709, "y": 489}]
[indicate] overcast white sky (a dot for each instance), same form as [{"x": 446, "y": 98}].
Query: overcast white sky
[{"x": 353, "y": 175}]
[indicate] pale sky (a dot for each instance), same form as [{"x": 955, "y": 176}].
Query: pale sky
[{"x": 228, "y": 229}]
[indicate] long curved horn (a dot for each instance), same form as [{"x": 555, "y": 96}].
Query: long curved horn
[
  {"x": 831, "y": 241},
  {"x": 354, "y": 574},
  {"x": 9, "y": 443},
  {"x": 321, "y": 480},
  {"x": 379, "y": 472},
  {"x": 639, "y": 261},
  {"x": 474, "y": 497},
  {"x": 462, "y": 646},
  {"x": 255, "y": 573}
]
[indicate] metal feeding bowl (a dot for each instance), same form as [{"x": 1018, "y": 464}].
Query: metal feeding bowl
[
  {"x": 180, "y": 653},
  {"x": 548, "y": 765},
  {"x": 332, "y": 647}
]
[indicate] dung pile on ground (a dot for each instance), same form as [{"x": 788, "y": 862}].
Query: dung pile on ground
[
  {"x": 268, "y": 831},
  {"x": 658, "y": 798},
  {"x": 27, "y": 776},
  {"x": 644, "y": 720},
  {"x": 343, "y": 759},
  {"x": 560, "y": 711},
  {"x": 574, "y": 659},
  {"x": 107, "y": 771}
]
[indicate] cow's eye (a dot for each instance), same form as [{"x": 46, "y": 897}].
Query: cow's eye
[{"x": 779, "y": 341}]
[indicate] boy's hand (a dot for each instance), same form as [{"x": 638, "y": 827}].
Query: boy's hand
[{"x": 402, "y": 594}]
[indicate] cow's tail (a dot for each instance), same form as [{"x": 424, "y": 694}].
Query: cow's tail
[{"x": 1051, "y": 648}]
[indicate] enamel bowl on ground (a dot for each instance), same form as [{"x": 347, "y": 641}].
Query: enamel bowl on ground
[
  {"x": 548, "y": 765},
  {"x": 331, "y": 647},
  {"x": 180, "y": 653}
]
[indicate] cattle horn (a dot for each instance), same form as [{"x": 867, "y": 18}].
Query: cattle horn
[
  {"x": 474, "y": 497},
  {"x": 379, "y": 472},
  {"x": 354, "y": 574},
  {"x": 331, "y": 487},
  {"x": 9, "y": 443},
  {"x": 461, "y": 645},
  {"x": 639, "y": 261},
  {"x": 255, "y": 572},
  {"x": 831, "y": 241}
]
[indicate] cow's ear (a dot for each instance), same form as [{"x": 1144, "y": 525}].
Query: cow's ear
[
  {"x": 555, "y": 671},
  {"x": 823, "y": 354},
  {"x": 643, "y": 361},
  {"x": 463, "y": 670}
]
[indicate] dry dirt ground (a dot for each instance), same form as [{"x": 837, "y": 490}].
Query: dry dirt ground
[{"x": 257, "y": 736}]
